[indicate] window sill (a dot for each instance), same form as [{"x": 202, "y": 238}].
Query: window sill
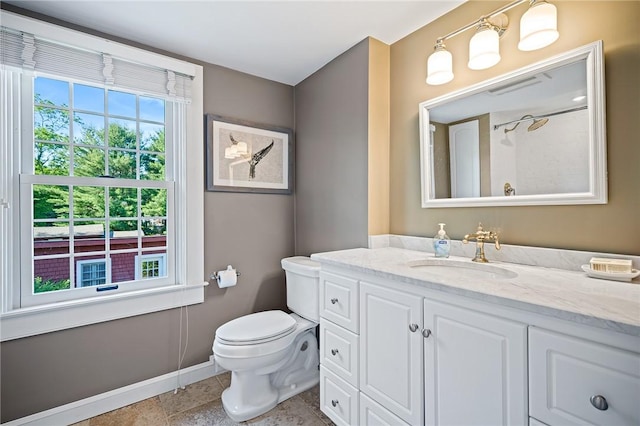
[{"x": 42, "y": 319}]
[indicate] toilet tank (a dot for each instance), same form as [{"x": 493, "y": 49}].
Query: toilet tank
[{"x": 303, "y": 286}]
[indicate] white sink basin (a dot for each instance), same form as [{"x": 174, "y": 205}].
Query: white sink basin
[{"x": 462, "y": 268}]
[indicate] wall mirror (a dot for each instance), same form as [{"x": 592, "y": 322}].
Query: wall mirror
[{"x": 534, "y": 136}]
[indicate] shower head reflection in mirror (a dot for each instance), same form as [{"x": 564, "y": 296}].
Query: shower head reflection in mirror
[
  {"x": 537, "y": 123},
  {"x": 559, "y": 157}
]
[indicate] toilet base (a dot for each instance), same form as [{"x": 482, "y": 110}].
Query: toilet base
[
  {"x": 239, "y": 409},
  {"x": 254, "y": 392},
  {"x": 289, "y": 391}
]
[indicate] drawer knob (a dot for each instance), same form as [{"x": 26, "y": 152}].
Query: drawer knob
[
  {"x": 334, "y": 301},
  {"x": 334, "y": 402},
  {"x": 413, "y": 327},
  {"x": 426, "y": 333},
  {"x": 599, "y": 402},
  {"x": 334, "y": 352}
]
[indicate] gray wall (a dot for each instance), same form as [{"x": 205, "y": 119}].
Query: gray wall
[
  {"x": 331, "y": 159},
  {"x": 251, "y": 231}
]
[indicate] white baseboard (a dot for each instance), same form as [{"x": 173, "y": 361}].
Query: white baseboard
[{"x": 117, "y": 398}]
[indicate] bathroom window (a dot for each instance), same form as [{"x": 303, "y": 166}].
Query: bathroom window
[
  {"x": 100, "y": 186},
  {"x": 101, "y": 153}
]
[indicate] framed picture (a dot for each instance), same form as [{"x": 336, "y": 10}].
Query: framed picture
[{"x": 247, "y": 157}]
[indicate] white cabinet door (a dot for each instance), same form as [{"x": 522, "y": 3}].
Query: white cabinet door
[
  {"x": 475, "y": 368},
  {"x": 390, "y": 352}
]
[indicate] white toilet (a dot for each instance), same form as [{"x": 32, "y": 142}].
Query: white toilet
[{"x": 272, "y": 355}]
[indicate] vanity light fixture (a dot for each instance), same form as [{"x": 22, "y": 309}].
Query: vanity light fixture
[
  {"x": 484, "y": 46},
  {"x": 538, "y": 26},
  {"x": 538, "y": 29},
  {"x": 440, "y": 65}
]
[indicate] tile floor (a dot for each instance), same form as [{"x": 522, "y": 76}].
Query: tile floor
[{"x": 199, "y": 404}]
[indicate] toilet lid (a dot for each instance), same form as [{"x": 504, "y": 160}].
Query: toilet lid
[{"x": 260, "y": 326}]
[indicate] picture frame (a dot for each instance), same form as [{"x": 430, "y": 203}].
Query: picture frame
[{"x": 243, "y": 156}]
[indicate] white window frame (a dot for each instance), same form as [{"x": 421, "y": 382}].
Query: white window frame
[
  {"x": 162, "y": 264},
  {"x": 80, "y": 264},
  {"x": 17, "y": 321},
  {"x": 28, "y": 179}
]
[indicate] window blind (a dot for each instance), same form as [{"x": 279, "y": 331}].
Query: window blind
[{"x": 28, "y": 52}]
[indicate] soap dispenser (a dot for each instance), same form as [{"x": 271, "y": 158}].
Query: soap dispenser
[{"x": 441, "y": 242}]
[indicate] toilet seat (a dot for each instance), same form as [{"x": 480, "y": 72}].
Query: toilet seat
[{"x": 253, "y": 329}]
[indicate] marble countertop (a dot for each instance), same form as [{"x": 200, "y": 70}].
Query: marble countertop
[{"x": 568, "y": 295}]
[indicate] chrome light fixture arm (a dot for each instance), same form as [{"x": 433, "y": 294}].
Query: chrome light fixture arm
[{"x": 500, "y": 26}]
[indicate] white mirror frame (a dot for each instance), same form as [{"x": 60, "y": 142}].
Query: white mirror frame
[{"x": 597, "y": 193}]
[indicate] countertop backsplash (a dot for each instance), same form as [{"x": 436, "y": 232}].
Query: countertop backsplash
[{"x": 570, "y": 260}]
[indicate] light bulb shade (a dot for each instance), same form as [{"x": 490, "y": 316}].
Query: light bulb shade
[
  {"x": 538, "y": 26},
  {"x": 484, "y": 49},
  {"x": 439, "y": 67}
]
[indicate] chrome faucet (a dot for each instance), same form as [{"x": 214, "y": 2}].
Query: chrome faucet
[{"x": 481, "y": 236}]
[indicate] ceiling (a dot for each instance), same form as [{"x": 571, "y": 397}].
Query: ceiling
[{"x": 284, "y": 41}]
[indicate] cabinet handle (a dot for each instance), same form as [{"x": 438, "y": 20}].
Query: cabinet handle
[
  {"x": 334, "y": 352},
  {"x": 334, "y": 402},
  {"x": 334, "y": 301},
  {"x": 599, "y": 402},
  {"x": 413, "y": 327},
  {"x": 426, "y": 333}
]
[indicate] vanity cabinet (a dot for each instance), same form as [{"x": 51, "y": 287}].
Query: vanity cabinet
[
  {"x": 475, "y": 367},
  {"x": 393, "y": 353}
]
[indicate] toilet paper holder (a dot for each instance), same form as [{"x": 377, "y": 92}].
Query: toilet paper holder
[{"x": 214, "y": 275}]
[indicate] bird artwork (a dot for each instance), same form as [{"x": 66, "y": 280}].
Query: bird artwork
[{"x": 255, "y": 159}]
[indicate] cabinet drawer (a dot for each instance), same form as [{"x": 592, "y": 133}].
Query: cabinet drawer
[
  {"x": 567, "y": 373},
  {"x": 338, "y": 399},
  {"x": 339, "y": 351},
  {"x": 339, "y": 300},
  {"x": 374, "y": 414}
]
